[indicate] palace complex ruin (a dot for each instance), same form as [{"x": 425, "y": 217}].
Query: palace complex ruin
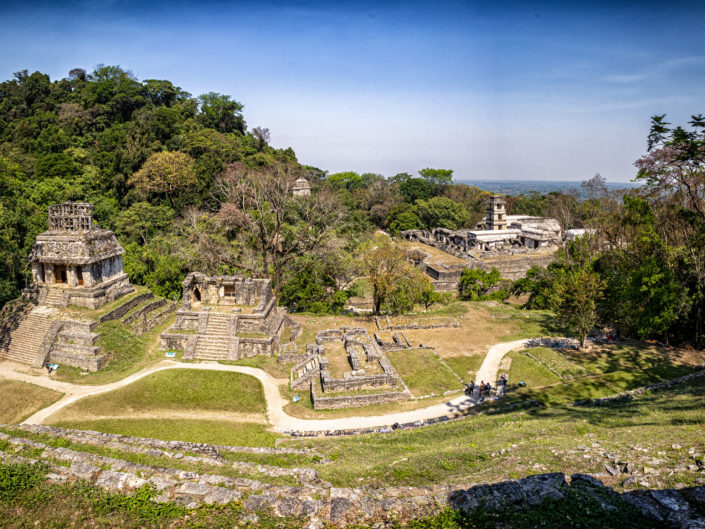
[
  {"x": 510, "y": 243},
  {"x": 228, "y": 318}
]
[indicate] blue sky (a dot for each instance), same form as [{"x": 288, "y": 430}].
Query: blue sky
[{"x": 493, "y": 90}]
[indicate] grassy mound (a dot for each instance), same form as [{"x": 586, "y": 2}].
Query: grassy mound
[{"x": 176, "y": 390}]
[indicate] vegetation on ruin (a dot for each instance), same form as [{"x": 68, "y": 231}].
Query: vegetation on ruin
[
  {"x": 57, "y": 506},
  {"x": 213, "y": 431},
  {"x": 128, "y": 353}
]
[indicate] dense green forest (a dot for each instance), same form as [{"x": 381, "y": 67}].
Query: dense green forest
[{"x": 186, "y": 185}]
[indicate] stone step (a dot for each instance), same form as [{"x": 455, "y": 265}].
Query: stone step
[
  {"x": 146, "y": 443},
  {"x": 75, "y": 349},
  {"x": 68, "y": 337},
  {"x": 26, "y": 340}
]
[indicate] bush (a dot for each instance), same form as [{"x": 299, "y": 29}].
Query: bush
[{"x": 17, "y": 478}]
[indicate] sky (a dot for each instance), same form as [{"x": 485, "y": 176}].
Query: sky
[{"x": 551, "y": 90}]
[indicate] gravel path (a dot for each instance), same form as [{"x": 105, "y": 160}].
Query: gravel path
[{"x": 275, "y": 403}]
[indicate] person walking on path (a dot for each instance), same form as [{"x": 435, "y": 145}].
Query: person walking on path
[{"x": 471, "y": 388}]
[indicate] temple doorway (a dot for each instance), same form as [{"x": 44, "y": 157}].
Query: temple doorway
[
  {"x": 60, "y": 273},
  {"x": 197, "y": 294},
  {"x": 79, "y": 275}
]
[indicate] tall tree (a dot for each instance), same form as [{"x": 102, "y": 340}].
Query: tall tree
[
  {"x": 579, "y": 294},
  {"x": 392, "y": 276},
  {"x": 220, "y": 112},
  {"x": 171, "y": 173},
  {"x": 260, "y": 203}
]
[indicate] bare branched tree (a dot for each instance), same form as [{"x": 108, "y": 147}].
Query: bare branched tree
[
  {"x": 262, "y": 136},
  {"x": 259, "y": 202}
]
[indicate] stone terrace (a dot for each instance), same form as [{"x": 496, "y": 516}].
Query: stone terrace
[{"x": 73, "y": 456}]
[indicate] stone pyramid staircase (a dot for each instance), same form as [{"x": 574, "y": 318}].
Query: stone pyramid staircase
[
  {"x": 54, "y": 297},
  {"x": 24, "y": 343},
  {"x": 214, "y": 340}
]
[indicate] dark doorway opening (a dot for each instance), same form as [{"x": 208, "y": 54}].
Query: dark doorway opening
[
  {"x": 79, "y": 275},
  {"x": 60, "y": 273},
  {"x": 197, "y": 294}
]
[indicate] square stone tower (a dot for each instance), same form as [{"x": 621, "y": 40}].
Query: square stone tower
[
  {"x": 76, "y": 262},
  {"x": 496, "y": 218}
]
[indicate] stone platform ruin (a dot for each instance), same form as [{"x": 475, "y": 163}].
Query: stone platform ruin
[
  {"x": 228, "y": 318},
  {"x": 371, "y": 379}
]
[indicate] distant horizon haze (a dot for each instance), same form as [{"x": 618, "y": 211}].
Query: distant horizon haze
[{"x": 543, "y": 90}]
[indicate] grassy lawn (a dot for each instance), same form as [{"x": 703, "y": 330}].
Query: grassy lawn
[
  {"x": 337, "y": 356},
  {"x": 526, "y": 370},
  {"x": 20, "y": 400},
  {"x": 465, "y": 366},
  {"x": 482, "y": 324},
  {"x": 128, "y": 353},
  {"x": 422, "y": 371},
  {"x": 175, "y": 390},
  {"x": 265, "y": 363},
  {"x": 558, "y": 362},
  {"x": 191, "y": 430},
  {"x": 607, "y": 369},
  {"x": 539, "y": 440}
]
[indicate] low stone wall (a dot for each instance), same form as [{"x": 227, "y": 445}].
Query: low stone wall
[
  {"x": 629, "y": 395},
  {"x": 385, "y": 324},
  {"x": 79, "y": 327},
  {"x": 355, "y": 382},
  {"x": 330, "y": 335},
  {"x": 260, "y": 320},
  {"x": 149, "y": 307},
  {"x": 109, "y": 439},
  {"x": 81, "y": 361},
  {"x": 320, "y": 503},
  {"x": 289, "y": 354},
  {"x": 514, "y": 266},
  {"x": 321, "y": 402},
  {"x": 126, "y": 307}
]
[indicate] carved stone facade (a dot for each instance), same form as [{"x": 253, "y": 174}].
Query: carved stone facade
[{"x": 76, "y": 262}]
